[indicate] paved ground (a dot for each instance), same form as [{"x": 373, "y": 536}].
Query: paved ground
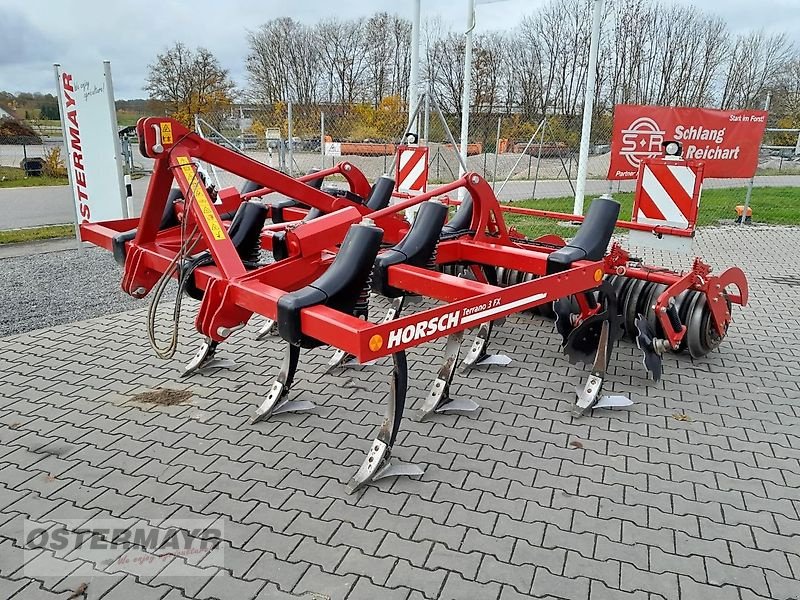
[
  {"x": 519, "y": 501},
  {"x": 32, "y": 207}
]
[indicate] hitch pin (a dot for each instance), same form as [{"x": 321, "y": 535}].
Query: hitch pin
[{"x": 158, "y": 147}]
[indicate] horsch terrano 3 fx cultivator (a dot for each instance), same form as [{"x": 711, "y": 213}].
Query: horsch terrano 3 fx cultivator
[{"x": 332, "y": 249}]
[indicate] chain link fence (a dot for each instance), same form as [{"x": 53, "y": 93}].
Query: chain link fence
[
  {"x": 16, "y": 149},
  {"x": 529, "y": 159}
]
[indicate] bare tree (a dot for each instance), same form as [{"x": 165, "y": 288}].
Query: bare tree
[
  {"x": 388, "y": 46},
  {"x": 189, "y": 81},
  {"x": 756, "y": 63},
  {"x": 786, "y": 95},
  {"x": 283, "y": 63},
  {"x": 489, "y": 72},
  {"x": 344, "y": 51}
]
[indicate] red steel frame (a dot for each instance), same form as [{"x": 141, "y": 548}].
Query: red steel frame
[{"x": 233, "y": 294}]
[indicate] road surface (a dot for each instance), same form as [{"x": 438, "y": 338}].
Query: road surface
[{"x": 52, "y": 205}]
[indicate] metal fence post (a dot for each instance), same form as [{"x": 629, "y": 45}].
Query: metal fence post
[
  {"x": 496, "y": 151},
  {"x": 289, "y": 141},
  {"x": 747, "y": 201},
  {"x": 322, "y": 137}
]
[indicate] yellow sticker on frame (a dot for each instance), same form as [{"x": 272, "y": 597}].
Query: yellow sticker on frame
[
  {"x": 201, "y": 197},
  {"x": 166, "y": 133}
]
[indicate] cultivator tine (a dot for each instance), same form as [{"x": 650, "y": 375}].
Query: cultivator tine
[
  {"x": 589, "y": 395},
  {"x": 277, "y": 400},
  {"x": 378, "y": 463},
  {"x": 268, "y": 329},
  {"x": 650, "y": 346},
  {"x": 477, "y": 355},
  {"x": 439, "y": 400},
  {"x": 204, "y": 360},
  {"x": 397, "y": 307},
  {"x": 340, "y": 359}
]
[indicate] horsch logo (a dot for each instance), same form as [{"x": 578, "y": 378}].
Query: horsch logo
[{"x": 642, "y": 139}]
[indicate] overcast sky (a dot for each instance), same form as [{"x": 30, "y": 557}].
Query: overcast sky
[{"x": 36, "y": 33}]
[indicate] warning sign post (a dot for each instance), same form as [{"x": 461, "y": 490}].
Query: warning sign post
[{"x": 667, "y": 193}]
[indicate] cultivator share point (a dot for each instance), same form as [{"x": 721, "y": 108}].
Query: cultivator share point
[{"x": 334, "y": 248}]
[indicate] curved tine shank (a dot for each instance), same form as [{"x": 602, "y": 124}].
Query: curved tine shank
[
  {"x": 277, "y": 398},
  {"x": 205, "y": 360},
  {"x": 377, "y": 464}
]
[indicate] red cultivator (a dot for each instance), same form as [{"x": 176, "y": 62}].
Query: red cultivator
[{"x": 333, "y": 248}]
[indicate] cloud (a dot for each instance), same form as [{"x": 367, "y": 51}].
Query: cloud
[
  {"x": 130, "y": 34},
  {"x": 26, "y": 43}
]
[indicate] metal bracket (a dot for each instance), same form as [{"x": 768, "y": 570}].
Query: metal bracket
[
  {"x": 438, "y": 400},
  {"x": 477, "y": 356},
  {"x": 378, "y": 465},
  {"x": 269, "y": 328},
  {"x": 204, "y": 360}
]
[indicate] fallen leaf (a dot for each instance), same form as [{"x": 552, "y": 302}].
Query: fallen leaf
[
  {"x": 15, "y": 424},
  {"x": 681, "y": 417},
  {"x": 50, "y": 477},
  {"x": 576, "y": 444},
  {"x": 80, "y": 592}
]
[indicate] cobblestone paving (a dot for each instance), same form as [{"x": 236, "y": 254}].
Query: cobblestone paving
[{"x": 518, "y": 501}]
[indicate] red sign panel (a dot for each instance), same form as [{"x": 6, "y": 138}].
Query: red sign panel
[{"x": 726, "y": 141}]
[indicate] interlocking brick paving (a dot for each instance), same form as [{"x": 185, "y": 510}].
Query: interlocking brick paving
[{"x": 645, "y": 505}]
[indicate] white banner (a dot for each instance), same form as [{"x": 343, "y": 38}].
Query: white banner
[{"x": 93, "y": 154}]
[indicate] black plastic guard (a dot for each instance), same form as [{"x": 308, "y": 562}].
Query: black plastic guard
[
  {"x": 416, "y": 248},
  {"x": 592, "y": 239},
  {"x": 381, "y": 193},
  {"x": 461, "y": 220},
  {"x": 338, "y": 288}
]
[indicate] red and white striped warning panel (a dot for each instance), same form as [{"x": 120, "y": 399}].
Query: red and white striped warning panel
[
  {"x": 668, "y": 193},
  {"x": 412, "y": 169}
]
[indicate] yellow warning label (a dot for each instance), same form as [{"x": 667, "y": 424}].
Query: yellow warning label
[
  {"x": 166, "y": 133},
  {"x": 201, "y": 197}
]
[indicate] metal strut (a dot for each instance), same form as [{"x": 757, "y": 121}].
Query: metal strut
[
  {"x": 277, "y": 400},
  {"x": 204, "y": 360},
  {"x": 378, "y": 464}
]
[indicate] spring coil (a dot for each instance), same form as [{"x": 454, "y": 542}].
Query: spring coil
[
  {"x": 251, "y": 256},
  {"x": 432, "y": 260},
  {"x": 361, "y": 308}
]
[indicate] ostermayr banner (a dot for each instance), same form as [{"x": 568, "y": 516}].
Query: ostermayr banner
[
  {"x": 726, "y": 141},
  {"x": 93, "y": 153}
]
